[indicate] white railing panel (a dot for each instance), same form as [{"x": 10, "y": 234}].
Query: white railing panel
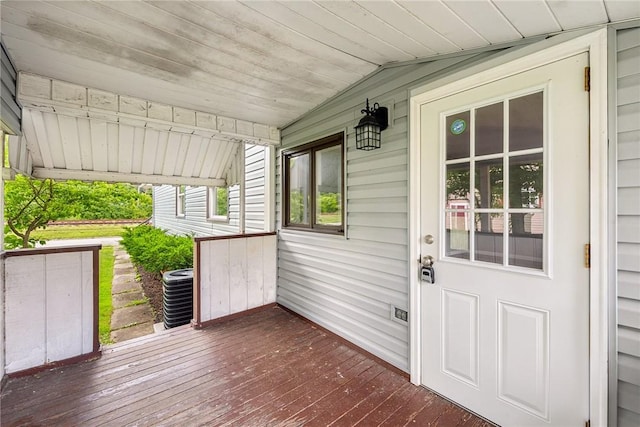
[
  {"x": 233, "y": 274},
  {"x": 50, "y": 306}
]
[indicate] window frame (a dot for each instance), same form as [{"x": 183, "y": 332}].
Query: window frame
[
  {"x": 181, "y": 201},
  {"x": 311, "y": 149},
  {"x": 212, "y": 200}
]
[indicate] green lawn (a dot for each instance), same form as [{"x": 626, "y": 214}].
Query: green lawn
[
  {"x": 79, "y": 231},
  {"x": 105, "y": 307}
]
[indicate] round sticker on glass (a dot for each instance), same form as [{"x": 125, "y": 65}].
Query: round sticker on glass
[{"x": 458, "y": 126}]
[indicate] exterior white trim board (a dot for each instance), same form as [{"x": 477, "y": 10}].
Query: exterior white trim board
[
  {"x": 51, "y": 95},
  {"x": 43, "y": 173}
]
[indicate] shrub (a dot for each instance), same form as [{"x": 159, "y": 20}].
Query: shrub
[
  {"x": 155, "y": 250},
  {"x": 329, "y": 202}
]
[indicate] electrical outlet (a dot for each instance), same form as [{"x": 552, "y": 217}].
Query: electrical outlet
[{"x": 400, "y": 314}]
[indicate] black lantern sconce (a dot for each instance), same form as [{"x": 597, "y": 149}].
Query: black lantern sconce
[{"x": 368, "y": 130}]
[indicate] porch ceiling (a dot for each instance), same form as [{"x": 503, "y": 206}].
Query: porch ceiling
[
  {"x": 265, "y": 61},
  {"x": 230, "y": 71}
]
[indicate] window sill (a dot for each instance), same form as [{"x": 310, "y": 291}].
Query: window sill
[
  {"x": 219, "y": 219},
  {"x": 319, "y": 233}
]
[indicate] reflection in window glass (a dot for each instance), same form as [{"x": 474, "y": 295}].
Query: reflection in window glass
[
  {"x": 526, "y": 181},
  {"x": 299, "y": 189},
  {"x": 328, "y": 184},
  {"x": 489, "y": 131},
  {"x": 526, "y": 122},
  {"x": 526, "y": 232},
  {"x": 458, "y": 135},
  {"x": 457, "y": 239},
  {"x": 489, "y": 183},
  {"x": 489, "y": 245},
  {"x": 458, "y": 185}
]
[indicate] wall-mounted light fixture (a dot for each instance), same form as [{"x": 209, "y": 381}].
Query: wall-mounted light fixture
[{"x": 368, "y": 130}]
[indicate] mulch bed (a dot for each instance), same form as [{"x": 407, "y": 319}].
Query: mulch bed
[{"x": 152, "y": 287}]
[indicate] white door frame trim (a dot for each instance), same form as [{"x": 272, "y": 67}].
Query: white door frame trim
[{"x": 536, "y": 55}]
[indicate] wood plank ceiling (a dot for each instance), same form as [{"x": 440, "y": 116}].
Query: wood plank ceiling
[{"x": 266, "y": 62}]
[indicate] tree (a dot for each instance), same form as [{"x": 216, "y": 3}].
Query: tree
[
  {"x": 101, "y": 200},
  {"x": 29, "y": 204}
]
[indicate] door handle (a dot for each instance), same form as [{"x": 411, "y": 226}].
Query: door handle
[{"x": 427, "y": 261}]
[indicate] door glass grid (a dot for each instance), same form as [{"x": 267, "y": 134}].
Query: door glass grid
[{"x": 494, "y": 178}]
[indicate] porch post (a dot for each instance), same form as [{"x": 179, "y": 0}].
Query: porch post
[
  {"x": 2, "y": 284},
  {"x": 243, "y": 184},
  {"x": 2, "y": 152}
]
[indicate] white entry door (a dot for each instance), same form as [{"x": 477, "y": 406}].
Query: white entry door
[{"x": 504, "y": 216}]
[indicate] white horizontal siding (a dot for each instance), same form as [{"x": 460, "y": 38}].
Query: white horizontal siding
[
  {"x": 195, "y": 220},
  {"x": 10, "y": 111},
  {"x": 628, "y": 226},
  {"x": 350, "y": 284},
  {"x": 254, "y": 171}
]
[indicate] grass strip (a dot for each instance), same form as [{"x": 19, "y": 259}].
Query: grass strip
[
  {"x": 79, "y": 231},
  {"x": 105, "y": 305}
]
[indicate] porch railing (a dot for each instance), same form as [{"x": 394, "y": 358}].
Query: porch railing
[
  {"x": 233, "y": 274},
  {"x": 51, "y": 306}
]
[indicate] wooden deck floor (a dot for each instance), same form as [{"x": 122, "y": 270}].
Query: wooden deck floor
[{"x": 270, "y": 368}]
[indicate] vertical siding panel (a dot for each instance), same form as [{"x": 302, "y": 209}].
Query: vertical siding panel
[
  {"x": 137, "y": 149},
  {"x": 100, "y": 150},
  {"x": 150, "y": 145},
  {"x": 113, "y": 145},
  {"x": 238, "y": 297},
  {"x": 64, "y": 306},
  {"x": 270, "y": 249},
  {"x": 628, "y": 246},
  {"x": 87, "y": 302},
  {"x": 220, "y": 278},
  {"x": 86, "y": 152},
  {"x": 205, "y": 264},
  {"x": 255, "y": 273},
  {"x": 125, "y": 148},
  {"x": 25, "y": 339}
]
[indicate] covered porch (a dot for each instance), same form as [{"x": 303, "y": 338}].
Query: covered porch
[
  {"x": 170, "y": 93},
  {"x": 264, "y": 369}
]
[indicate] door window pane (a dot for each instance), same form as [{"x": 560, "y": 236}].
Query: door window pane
[
  {"x": 506, "y": 182},
  {"x": 299, "y": 189},
  {"x": 457, "y": 238},
  {"x": 489, "y": 245},
  {"x": 458, "y": 185},
  {"x": 328, "y": 182},
  {"x": 457, "y": 131},
  {"x": 526, "y": 122},
  {"x": 526, "y": 181},
  {"x": 489, "y": 129},
  {"x": 526, "y": 232},
  {"x": 489, "y": 184}
]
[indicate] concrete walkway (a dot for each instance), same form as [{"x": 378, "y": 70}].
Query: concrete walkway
[{"x": 132, "y": 316}]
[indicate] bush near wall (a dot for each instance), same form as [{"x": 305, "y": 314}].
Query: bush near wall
[{"x": 156, "y": 251}]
